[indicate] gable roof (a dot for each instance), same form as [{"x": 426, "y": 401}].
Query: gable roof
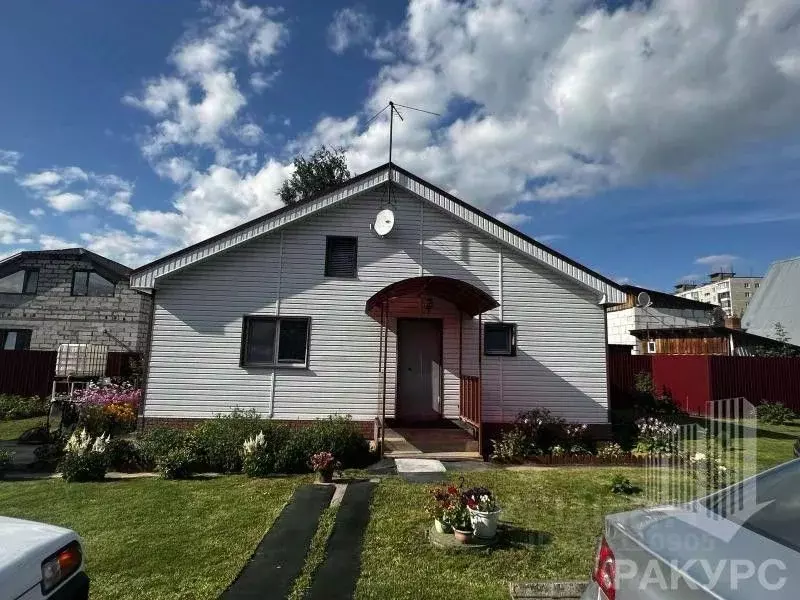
[
  {"x": 777, "y": 300},
  {"x": 105, "y": 266},
  {"x": 146, "y": 276},
  {"x": 665, "y": 300}
]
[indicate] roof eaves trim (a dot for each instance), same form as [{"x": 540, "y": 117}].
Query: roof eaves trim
[{"x": 145, "y": 277}]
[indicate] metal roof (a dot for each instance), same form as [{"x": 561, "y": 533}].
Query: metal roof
[
  {"x": 665, "y": 300},
  {"x": 465, "y": 296},
  {"x": 776, "y": 301},
  {"x": 145, "y": 277},
  {"x": 105, "y": 266}
]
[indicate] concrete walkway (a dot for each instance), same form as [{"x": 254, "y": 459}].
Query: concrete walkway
[{"x": 419, "y": 470}]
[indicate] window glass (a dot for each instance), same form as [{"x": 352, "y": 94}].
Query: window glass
[
  {"x": 498, "y": 339},
  {"x": 341, "y": 257},
  {"x": 15, "y": 339},
  {"x": 99, "y": 286},
  {"x": 260, "y": 341},
  {"x": 292, "y": 341},
  {"x": 12, "y": 284},
  {"x": 11, "y": 341},
  {"x": 80, "y": 283},
  {"x": 31, "y": 281}
]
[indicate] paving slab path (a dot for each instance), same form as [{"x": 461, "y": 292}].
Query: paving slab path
[
  {"x": 336, "y": 577},
  {"x": 419, "y": 470},
  {"x": 281, "y": 555}
]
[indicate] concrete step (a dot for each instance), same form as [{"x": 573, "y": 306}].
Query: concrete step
[{"x": 430, "y": 440}]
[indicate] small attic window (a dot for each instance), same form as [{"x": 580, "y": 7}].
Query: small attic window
[
  {"x": 89, "y": 283},
  {"x": 24, "y": 281},
  {"x": 500, "y": 339},
  {"x": 341, "y": 257}
]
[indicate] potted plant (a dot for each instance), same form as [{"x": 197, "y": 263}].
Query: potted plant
[
  {"x": 483, "y": 510},
  {"x": 458, "y": 518},
  {"x": 324, "y": 465},
  {"x": 441, "y": 500}
]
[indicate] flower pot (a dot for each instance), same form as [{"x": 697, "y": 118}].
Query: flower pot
[
  {"x": 462, "y": 537},
  {"x": 442, "y": 527},
  {"x": 484, "y": 524},
  {"x": 325, "y": 476}
]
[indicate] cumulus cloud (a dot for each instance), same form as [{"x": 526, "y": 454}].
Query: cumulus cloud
[
  {"x": 12, "y": 230},
  {"x": 68, "y": 189},
  {"x": 350, "y": 27},
  {"x": 8, "y": 161},
  {"x": 37, "y": 212},
  {"x": 129, "y": 249},
  {"x": 717, "y": 260},
  {"x": 513, "y": 219},
  {"x": 52, "y": 242}
]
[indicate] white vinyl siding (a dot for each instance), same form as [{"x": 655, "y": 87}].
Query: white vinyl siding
[{"x": 194, "y": 364}]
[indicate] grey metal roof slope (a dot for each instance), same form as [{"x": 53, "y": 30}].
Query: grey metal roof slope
[
  {"x": 776, "y": 301},
  {"x": 105, "y": 266},
  {"x": 145, "y": 277}
]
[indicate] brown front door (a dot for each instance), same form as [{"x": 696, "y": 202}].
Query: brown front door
[{"x": 419, "y": 370}]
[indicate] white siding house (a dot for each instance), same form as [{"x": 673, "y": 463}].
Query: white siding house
[{"x": 276, "y": 266}]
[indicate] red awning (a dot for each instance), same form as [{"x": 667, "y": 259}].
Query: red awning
[{"x": 465, "y": 296}]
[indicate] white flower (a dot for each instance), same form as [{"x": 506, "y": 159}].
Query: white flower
[
  {"x": 101, "y": 443},
  {"x": 698, "y": 457},
  {"x": 722, "y": 468}
]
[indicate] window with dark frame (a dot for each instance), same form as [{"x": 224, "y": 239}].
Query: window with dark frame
[
  {"x": 24, "y": 281},
  {"x": 341, "y": 257},
  {"x": 275, "y": 341},
  {"x": 500, "y": 339},
  {"x": 89, "y": 283},
  {"x": 15, "y": 339}
]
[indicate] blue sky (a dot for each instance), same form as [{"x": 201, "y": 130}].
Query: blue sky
[{"x": 651, "y": 142}]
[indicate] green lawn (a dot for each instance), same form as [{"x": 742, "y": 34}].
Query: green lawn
[
  {"x": 557, "y": 517},
  {"x": 776, "y": 443},
  {"x": 156, "y": 539},
  {"x": 11, "y": 430}
]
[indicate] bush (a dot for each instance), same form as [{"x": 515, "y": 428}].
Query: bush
[
  {"x": 178, "y": 463},
  {"x": 219, "y": 441},
  {"x": 774, "y": 413},
  {"x": 256, "y": 461},
  {"x": 124, "y": 456},
  {"x": 622, "y": 485},
  {"x": 512, "y": 447},
  {"x": 5, "y": 462},
  {"x": 656, "y": 437},
  {"x": 14, "y": 407},
  {"x": 156, "y": 443},
  {"x": 85, "y": 458},
  {"x": 542, "y": 430},
  {"x": 341, "y": 437},
  {"x": 610, "y": 451}
]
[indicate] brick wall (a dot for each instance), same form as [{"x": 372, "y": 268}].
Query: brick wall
[{"x": 56, "y": 317}]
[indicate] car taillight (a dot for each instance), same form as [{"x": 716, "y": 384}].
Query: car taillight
[
  {"x": 605, "y": 573},
  {"x": 59, "y": 566}
]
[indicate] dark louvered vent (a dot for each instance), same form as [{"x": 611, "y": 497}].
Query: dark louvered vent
[{"x": 341, "y": 257}]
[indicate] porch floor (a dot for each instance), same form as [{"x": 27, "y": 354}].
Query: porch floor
[{"x": 433, "y": 443}]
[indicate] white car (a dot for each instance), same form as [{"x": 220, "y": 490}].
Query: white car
[{"x": 40, "y": 561}]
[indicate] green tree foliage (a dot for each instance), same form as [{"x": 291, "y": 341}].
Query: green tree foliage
[
  {"x": 783, "y": 347},
  {"x": 322, "y": 170}
]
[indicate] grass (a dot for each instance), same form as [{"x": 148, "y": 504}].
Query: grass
[
  {"x": 11, "y": 430},
  {"x": 776, "y": 444},
  {"x": 316, "y": 554},
  {"x": 556, "y": 517},
  {"x": 157, "y": 539}
]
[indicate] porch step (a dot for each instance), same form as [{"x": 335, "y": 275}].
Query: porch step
[{"x": 429, "y": 441}]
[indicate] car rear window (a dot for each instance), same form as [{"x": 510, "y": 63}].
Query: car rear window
[{"x": 770, "y": 507}]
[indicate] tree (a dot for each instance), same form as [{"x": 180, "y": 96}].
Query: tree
[
  {"x": 783, "y": 348},
  {"x": 322, "y": 170}
]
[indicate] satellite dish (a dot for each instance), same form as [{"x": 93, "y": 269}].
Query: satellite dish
[
  {"x": 384, "y": 222},
  {"x": 643, "y": 300}
]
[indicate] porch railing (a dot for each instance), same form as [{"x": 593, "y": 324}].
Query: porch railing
[{"x": 470, "y": 410}]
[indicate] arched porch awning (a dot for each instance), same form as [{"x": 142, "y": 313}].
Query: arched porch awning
[{"x": 465, "y": 296}]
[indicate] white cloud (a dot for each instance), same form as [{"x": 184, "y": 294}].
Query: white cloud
[
  {"x": 549, "y": 238},
  {"x": 68, "y": 189},
  {"x": 68, "y": 201},
  {"x": 131, "y": 250},
  {"x": 250, "y": 134},
  {"x": 261, "y": 81},
  {"x": 8, "y": 161},
  {"x": 12, "y": 230},
  {"x": 548, "y": 100},
  {"x": 350, "y": 27},
  {"x": 717, "y": 260},
  {"x": 176, "y": 168},
  {"x": 513, "y": 219},
  {"x": 690, "y": 278},
  {"x": 52, "y": 242},
  {"x": 37, "y": 212}
]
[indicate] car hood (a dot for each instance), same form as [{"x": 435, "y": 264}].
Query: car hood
[
  {"x": 680, "y": 533},
  {"x": 23, "y": 547}
]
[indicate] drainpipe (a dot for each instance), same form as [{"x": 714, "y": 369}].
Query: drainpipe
[{"x": 274, "y": 376}]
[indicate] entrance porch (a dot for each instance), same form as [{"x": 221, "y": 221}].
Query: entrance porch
[{"x": 430, "y": 365}]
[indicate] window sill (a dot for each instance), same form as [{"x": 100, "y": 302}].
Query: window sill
[
  {"x": 341, "y": 277},
  {"x": 289, "y": 367}
]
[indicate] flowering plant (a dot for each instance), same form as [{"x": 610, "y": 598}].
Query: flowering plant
[
  {"x": 107, "y": 407},
  {"x": 710, "y": 472},
  {"x": 85, "y": 457},
  {"x": 324, "y": 462},
  {"x": 480, "y": 499},
  {"x": 656, "y": 436},
  {"x": 256, "y": 462},
  {"x": 442, "y": 500},
  {"x": 457, "y": 516}
]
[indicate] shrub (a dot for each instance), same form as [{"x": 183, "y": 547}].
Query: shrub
[
  {"x": 125, "y": 456},
  {"x": 177, "y": 463},
  {"x": 511, "y": 447},
  {"x": 256, "y": 460},
  {"x": 156, "y": 443},
  {"x": 341, "y": 437},
  {"x": 541, "y": 429},
  {"x": 49, "y": 454},
  {"x": 5, "y": 462},
  {"x": 20, "y": 407},
  {"x": 219, "y": 441},
  {"x": 622, "y": 485},
  {"x": 709, "y": 471},
  {"x": 610, "y": 451},
  {"x": 774, "y": 413},
  {"x": 656, "y": 436},
  {"x": 85, "y": 458}
]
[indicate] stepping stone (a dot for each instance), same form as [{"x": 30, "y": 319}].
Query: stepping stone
[
  {"x": 337, "y": 576},
  {"x": 280, "y": 556},
  {"x": 419, "y": 470}
]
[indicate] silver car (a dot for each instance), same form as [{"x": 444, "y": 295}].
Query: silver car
[{"x": 740, "y": 543}]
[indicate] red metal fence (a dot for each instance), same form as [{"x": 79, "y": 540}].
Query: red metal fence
[
  {"x": 31, "y": 372},
  {"x": 693, "y": 381}
]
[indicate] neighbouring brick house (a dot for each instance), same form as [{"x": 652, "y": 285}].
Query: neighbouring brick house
[{"x": 51, "y": 297}]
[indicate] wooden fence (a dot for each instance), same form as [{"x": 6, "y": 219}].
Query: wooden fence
[
  {"x": 694, "y": 381},
  {"x": 31, "y": 372}
]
